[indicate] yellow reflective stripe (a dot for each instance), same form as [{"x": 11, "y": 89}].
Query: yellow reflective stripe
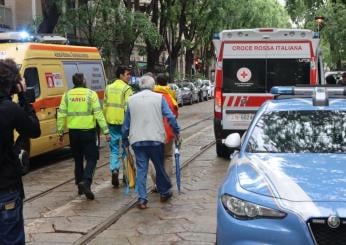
[
  {"x": 120, "y": 105},
  {"x": 116, "y": 105},
  {"x": 97, "y": 109},
  {"x": 122, "y": 101},
  {"x": 66, "y": 100},
  {"x": 62, "y": 111},
  {"x": 78, "y": 113},
  {"x": 89, "y": 101}
]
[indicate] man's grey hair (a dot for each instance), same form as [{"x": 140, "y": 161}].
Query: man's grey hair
[{"x": 146, "y": 82}]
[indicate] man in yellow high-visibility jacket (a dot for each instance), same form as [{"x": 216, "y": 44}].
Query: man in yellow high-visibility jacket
[
  {"x": 114, "y": 107},
  {"x": 81, "y": 107}
]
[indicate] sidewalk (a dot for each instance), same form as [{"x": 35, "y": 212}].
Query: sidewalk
[
  {"x": 62, "y": 217},
  {"x": 188, "y": 218}
]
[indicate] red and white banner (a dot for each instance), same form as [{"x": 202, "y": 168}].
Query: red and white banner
[{"x": 241, "y": 50}]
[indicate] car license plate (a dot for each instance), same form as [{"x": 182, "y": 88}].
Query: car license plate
[{"x": 241, "y": 116}]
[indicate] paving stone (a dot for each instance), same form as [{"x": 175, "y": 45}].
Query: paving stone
[
  {"x": 155, "y": 239},
  {"x": 174, "y": 222},
  {"x": 162, "y": 227},
  {"x": 54, "y": 238},
  {"x": 119, "y": 240},
  {"x": 124, "y": 232},
  {"x": 201, "y": 228},
  {"x": 192, "y": 243},
  {"x": 76, "y": 224},
  {"x": 198, "y": 237}
]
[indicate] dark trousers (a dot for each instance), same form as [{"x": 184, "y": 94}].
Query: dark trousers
[
  {"x": 83, "y": 144},
  {"x": 11, "y": 218}
]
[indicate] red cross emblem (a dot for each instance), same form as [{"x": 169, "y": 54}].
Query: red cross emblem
[{"x": 244, "y": 74}]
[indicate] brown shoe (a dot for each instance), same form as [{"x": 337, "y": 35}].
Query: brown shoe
[
  {"x": 166, "y": 197},
  {"x": 141, "y": 205}
]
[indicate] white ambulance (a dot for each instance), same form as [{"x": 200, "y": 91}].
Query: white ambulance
[{"x": 249, "y": 63}]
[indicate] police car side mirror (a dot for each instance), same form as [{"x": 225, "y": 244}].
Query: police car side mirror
[
  {"x": 29, "y": 95},
  {"x": 233, "y": 141}
]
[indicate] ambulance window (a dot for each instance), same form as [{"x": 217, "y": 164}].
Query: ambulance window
[
  {"x": 244, "y": 75},
  {"x": 70, "y": 69},
  {"x": 32, "y": 80},
  {"x": 93, "y": 72},
  {"x": 288, "y": 72}
]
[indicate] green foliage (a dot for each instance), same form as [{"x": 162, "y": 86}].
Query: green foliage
[
  {"x": 333, "y": 34},
  {"x": 109, "y": 25},
  {"x": 255, "y": 13}
]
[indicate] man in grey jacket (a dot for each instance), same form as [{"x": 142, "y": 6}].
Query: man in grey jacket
[{"x": 143, "y": 128}]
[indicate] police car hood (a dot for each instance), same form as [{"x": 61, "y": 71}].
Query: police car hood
[{"x": 295, "y": 177}]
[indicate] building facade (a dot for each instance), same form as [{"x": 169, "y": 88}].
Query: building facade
[{"x": 16, "y": 15}]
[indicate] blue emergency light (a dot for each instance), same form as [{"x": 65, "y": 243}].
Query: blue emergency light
[
  {"x": 216, "y": 36},
  {"x": 282, "y": 90},
  {"x": 24, "y": 35},
  {"x": 320, "y": 94}
]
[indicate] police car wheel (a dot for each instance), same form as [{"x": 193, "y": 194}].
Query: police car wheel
[{"x": 222, "y": 151}]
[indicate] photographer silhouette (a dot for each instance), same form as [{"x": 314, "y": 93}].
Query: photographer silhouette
[{"x": 22, "y": 118}]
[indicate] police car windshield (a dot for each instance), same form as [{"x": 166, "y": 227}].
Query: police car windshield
[
  {"x": 260, "y": 75},
  {"x": 299, "y": 132}
]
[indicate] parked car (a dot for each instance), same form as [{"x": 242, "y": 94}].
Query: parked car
[
  {"x": 178, "y": 94},
  {"x": 210, "y": 88},
  {"x": 189, "y": 92},
  {"x": 286, "y": 181},
  {"x": 202, "y": 90},
  {"x": 336, "y": 74}
]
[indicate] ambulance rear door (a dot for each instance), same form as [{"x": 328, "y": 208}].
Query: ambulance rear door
[
  {"x": 93, "y": 72},
  {"x": 251, "y": 69}
]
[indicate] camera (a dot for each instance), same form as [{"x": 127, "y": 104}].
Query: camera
[{"x": 21, "y": 149}]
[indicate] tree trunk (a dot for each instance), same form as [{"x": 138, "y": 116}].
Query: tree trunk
[
  {"x": 125, "y": 50},
  {"x": 153, "y": 53},
  {"x": 51, "y": 15},
  {"x": 173, "y": 64},
  {"x": 153, "y": 58},
  {"x": 188, "y": 62}
]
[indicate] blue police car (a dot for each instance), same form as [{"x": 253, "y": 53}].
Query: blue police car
[{"x": 286, "y": 183}]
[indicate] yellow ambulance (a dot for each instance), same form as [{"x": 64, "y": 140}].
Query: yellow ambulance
[{"x": 48, "y": 69}]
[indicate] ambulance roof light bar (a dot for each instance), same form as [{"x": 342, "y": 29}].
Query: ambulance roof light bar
[
  {"x": 10, "y": 37},
  {"x": 319, "y": 94},
  {"x": 51, "y": 38},
  {"x": 21, "y": 36}
]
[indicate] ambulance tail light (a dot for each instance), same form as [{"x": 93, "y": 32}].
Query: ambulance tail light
[
  {"x": 313, "y": 63},
  {"x": 313, "y": 72},
  {"x": 218, "y": 92},
  {"x": 266, "y": 30}
]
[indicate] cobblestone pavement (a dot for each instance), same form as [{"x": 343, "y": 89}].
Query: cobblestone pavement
[
  {"x": 62, "y": 217},
  {"x": 188, "y": 218}
]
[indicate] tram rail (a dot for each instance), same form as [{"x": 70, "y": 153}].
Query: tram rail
[
  {"x": 84, "y": 239},
  {"x": 41, "y": 194}
]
